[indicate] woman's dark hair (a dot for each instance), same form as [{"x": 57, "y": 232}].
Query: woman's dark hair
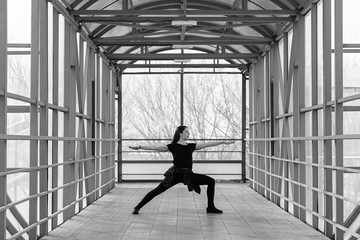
[{"x": 179, "y": 130}]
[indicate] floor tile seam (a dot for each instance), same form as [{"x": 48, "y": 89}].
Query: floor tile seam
[
  {"x": 235, "y": 210},
  {"x": 239, "y": 196}
]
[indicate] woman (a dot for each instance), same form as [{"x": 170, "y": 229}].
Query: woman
[{"x": 182, "y": 169}]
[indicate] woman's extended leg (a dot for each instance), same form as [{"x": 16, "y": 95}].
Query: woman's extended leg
[
  {"x": 201, "y": 179},
  {"x": 162, "y": 187}
]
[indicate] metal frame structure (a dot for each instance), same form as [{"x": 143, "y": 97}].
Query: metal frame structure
[
  {"x": 278, "y": 165},
  {"x": 72, "y": 164},
  {"x": 84, "y": 173}
]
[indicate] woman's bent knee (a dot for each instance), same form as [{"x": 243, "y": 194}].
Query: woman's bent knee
[{"x": 211, "y": 181}]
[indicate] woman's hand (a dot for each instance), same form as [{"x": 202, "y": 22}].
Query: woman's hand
[
  {"x": 135, "y": 147},
  {"x": 229, "y": 142}
]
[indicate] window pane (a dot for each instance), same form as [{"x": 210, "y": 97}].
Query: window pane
[
  {"x": 151, "y": 106},
  {"x": 212, "y": 105}
]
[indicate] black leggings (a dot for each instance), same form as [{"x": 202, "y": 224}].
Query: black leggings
[{"x": 197, "y": 179}]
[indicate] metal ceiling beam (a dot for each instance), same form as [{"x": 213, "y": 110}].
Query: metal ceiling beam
[
  {"x": 182, "y": 65},
  {"x": 162, "y": 35},
  {"x": 174, "y": 4},
  {"x": 75, "y": 3},
  {"x": 180, "y": 12},
  {"x": 182, "y": 56},
  {"x": 172, "y": 41},
  {"x": 165, "y": 27},
  {"x": 280, "y": 4},
  {"x": 137, "y": 19}
]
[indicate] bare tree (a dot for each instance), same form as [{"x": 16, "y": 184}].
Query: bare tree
[{"x": 212, "y": 103}]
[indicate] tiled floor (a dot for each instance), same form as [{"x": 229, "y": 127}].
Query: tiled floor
[{"x": 179, "y": 214}]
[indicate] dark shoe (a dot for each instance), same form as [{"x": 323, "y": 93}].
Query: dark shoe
[
  {"x": 213, "y": 210},
  {"x": 135, "y": 211}
]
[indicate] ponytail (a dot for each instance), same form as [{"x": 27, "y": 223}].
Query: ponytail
[{"x": 179, "y": 130}]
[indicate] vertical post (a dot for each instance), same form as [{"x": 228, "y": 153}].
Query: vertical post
[
  {"x": 339, "y": 145},
  {"x": 69, "y": 118},
  {"x": 3, "y": 111},
  {"x": 327, "y": 111},
  {"x": 93, "y": 131},
  {"x": 55, "y": 124},
  {"x": 97, "y": 97},
  {"x": 272, "y": 122},
  {"x": 267, "y": 134},
  {"x": 278, "y": 166},
  {"x": 299, "y": 117},
  {"x": 260, "y": 124},
  {"x": 182, "y": 96},
  {"x": 90, "y": 127},
  {"x": 301, "y": 97},
  {"x": 43, "y": 11},
  {"x": 66, "y": 123},
  {"x": 33, "y": 175},
  {"x": 276, "y": 83},
  {"x": 243, "y": 127},
  {"x": 105, "y": 176},
  {"x": 314, "y": 113},
  {"x": 251, "y": 128},
  {"x": 81, "y": 145},
  {"x": 284, "y": 152},
  {"x": 257, "y": 104},
  {"x": 120, "y": 158},
  {"x": 296, "y": 114},
  {"x": 114, "y": 74},
  {"x": 244, "y": 5}
]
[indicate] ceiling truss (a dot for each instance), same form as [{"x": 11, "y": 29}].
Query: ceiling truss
[{"x": 236, "y": 32}]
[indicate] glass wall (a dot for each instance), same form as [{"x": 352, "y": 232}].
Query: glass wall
[
  {"x": 57, "y": 102},
  {"x": 153, "y": 105},
  {"x": 316, "y": 157}
]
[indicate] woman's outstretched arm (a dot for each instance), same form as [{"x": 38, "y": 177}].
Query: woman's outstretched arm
[
  {"x": 212, "y": 144},
  {"x": 161, "y": 148}
]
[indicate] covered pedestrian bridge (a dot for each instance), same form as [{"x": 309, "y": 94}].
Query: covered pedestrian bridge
[{"x": 81, "y": 80}]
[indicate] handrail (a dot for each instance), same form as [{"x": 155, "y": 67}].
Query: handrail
[
  {"x": 53, "y": 190},
  {"x": 307, "y": 138},
  {"x": 306, "y": 186},
  {"x": 308, "y": 210},
  {"x": 20, "y": 170},
  {"x": 54, "y": 138},
  {"x": 20, "y": 233},
  {"x": 170, "y": 161},
  {"x": 296, "y": 161},
  {"x": 162, "y": 174}
]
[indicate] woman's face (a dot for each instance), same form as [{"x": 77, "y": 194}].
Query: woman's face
[{"x": 185, "y": 134}]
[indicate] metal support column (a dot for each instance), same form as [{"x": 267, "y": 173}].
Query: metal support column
[
  {"x": 294, "y": 70},
  {"x": 251, "y": 126},
  {"x": 119, "y": 82},
  {"x": 339, "y": 145},
  {"x": 33, "y": 175},
  {"x": 301, "y": 96},
  {"x": 55, "y": 123},
  {"x": 285, "y": 152},
  {"x": 69, "y": 118},
  {"x": 3, "y": 111},
  {"x": 327, "y": 115},
  {"x": 93, "y": 133},
  {"x": 314, "y": 113},
  {"x": 44, "y": 144},
  {"x": 89, "y": 166},
  {"x": 243, "y": 127},
  {"x": 96, "y": 99},
  {"x": 105, "y": 95}
]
